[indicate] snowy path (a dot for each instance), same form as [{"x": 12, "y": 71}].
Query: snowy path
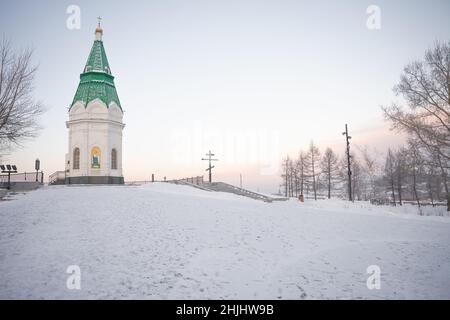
[{"x": 167, "y": 241}]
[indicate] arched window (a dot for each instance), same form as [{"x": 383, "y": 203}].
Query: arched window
[
  {"x": 76, "y": 158},
  {"x": 96, "y": 157},
  {"x": 114, "y": 159}
]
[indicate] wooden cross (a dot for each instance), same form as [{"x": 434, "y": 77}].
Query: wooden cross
[{"x": 210, "y": 167}]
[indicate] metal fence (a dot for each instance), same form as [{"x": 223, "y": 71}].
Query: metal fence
[
  {"x": 389, "y": 202},
  {"x": 21, "y": 177},
  {"x": 198, "y": 180}
]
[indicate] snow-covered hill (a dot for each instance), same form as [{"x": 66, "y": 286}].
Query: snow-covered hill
[{"x": 167, "y": 241}]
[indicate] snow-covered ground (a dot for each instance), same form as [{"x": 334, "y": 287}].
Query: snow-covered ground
[{"x": 161, "y": 241}]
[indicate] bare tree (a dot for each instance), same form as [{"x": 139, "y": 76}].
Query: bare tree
[
  {"x": 296, "y": 178},
  {"x": 18, "y": 109},
  {"x": 291, "y": 177},
  {"x": 415, "y": 166},
  {"x": 356, "y": 179},
  {"x": 285, "y": 175},
  {"x": 444, "y": 175},
  {"x": 390, "y": 172},
  {"x": 425, "y": 86},
  {"x": 330, "y": 168},
  {"x": 370, "y": 168},
  {"x": 400, "y": 172},
  {"x": 302, "y": 171},
  {"x": 313, "y": 157},
  {"x": 415, "y": 173},
  {"x": 432, "y": 183}
]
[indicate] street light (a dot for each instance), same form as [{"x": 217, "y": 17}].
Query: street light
[
  {"x": 9, "y": 169},
  {"x": 37, "y": 165}
]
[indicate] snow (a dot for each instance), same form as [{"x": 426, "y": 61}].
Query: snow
[{"x": 164, "y": 241}]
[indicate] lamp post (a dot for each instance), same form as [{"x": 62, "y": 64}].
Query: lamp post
[
  {"x": 37, "y": 165},
  {"x": 8, "y": 169}
]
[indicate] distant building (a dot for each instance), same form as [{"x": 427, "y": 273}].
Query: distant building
[{"x": 95, "y": 124}]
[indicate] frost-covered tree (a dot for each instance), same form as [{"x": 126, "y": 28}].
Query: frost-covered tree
[
  {"x": 442, "y": 166},
  {"x": 400, "y": 172},
  {"x": 329, "y": 166},
  {"x": 19, "y": 111},
  {"x": 425, "y": 86},
  {"x": 285, "y": 175},
  {"x": 313, "y": 158},
  {"x": 370, "y": 171},
  {"x": 302, "y": 171},
  {"x": 389, "y": 172},
  {"x": 414, "y": 164}
]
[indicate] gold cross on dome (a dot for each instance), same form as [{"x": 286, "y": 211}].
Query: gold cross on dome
[{"x": 99, "y": 20}]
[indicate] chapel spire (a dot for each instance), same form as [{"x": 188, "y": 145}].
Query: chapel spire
[
  {"x": 95, "y": 123},
  {"x": 96, "y": 80},
  {"x": 98, "y": 30}
]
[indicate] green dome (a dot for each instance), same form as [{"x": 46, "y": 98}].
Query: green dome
[{"x": 96, "y": 81}]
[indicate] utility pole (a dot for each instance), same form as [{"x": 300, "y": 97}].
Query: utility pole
[
  {"x": 349, "y": 171},
  {"x": 240, "y": 180},
  {"x": 209, "y": 159}
]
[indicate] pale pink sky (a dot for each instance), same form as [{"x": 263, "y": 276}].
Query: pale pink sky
[{"x": 250, "y": 80}]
